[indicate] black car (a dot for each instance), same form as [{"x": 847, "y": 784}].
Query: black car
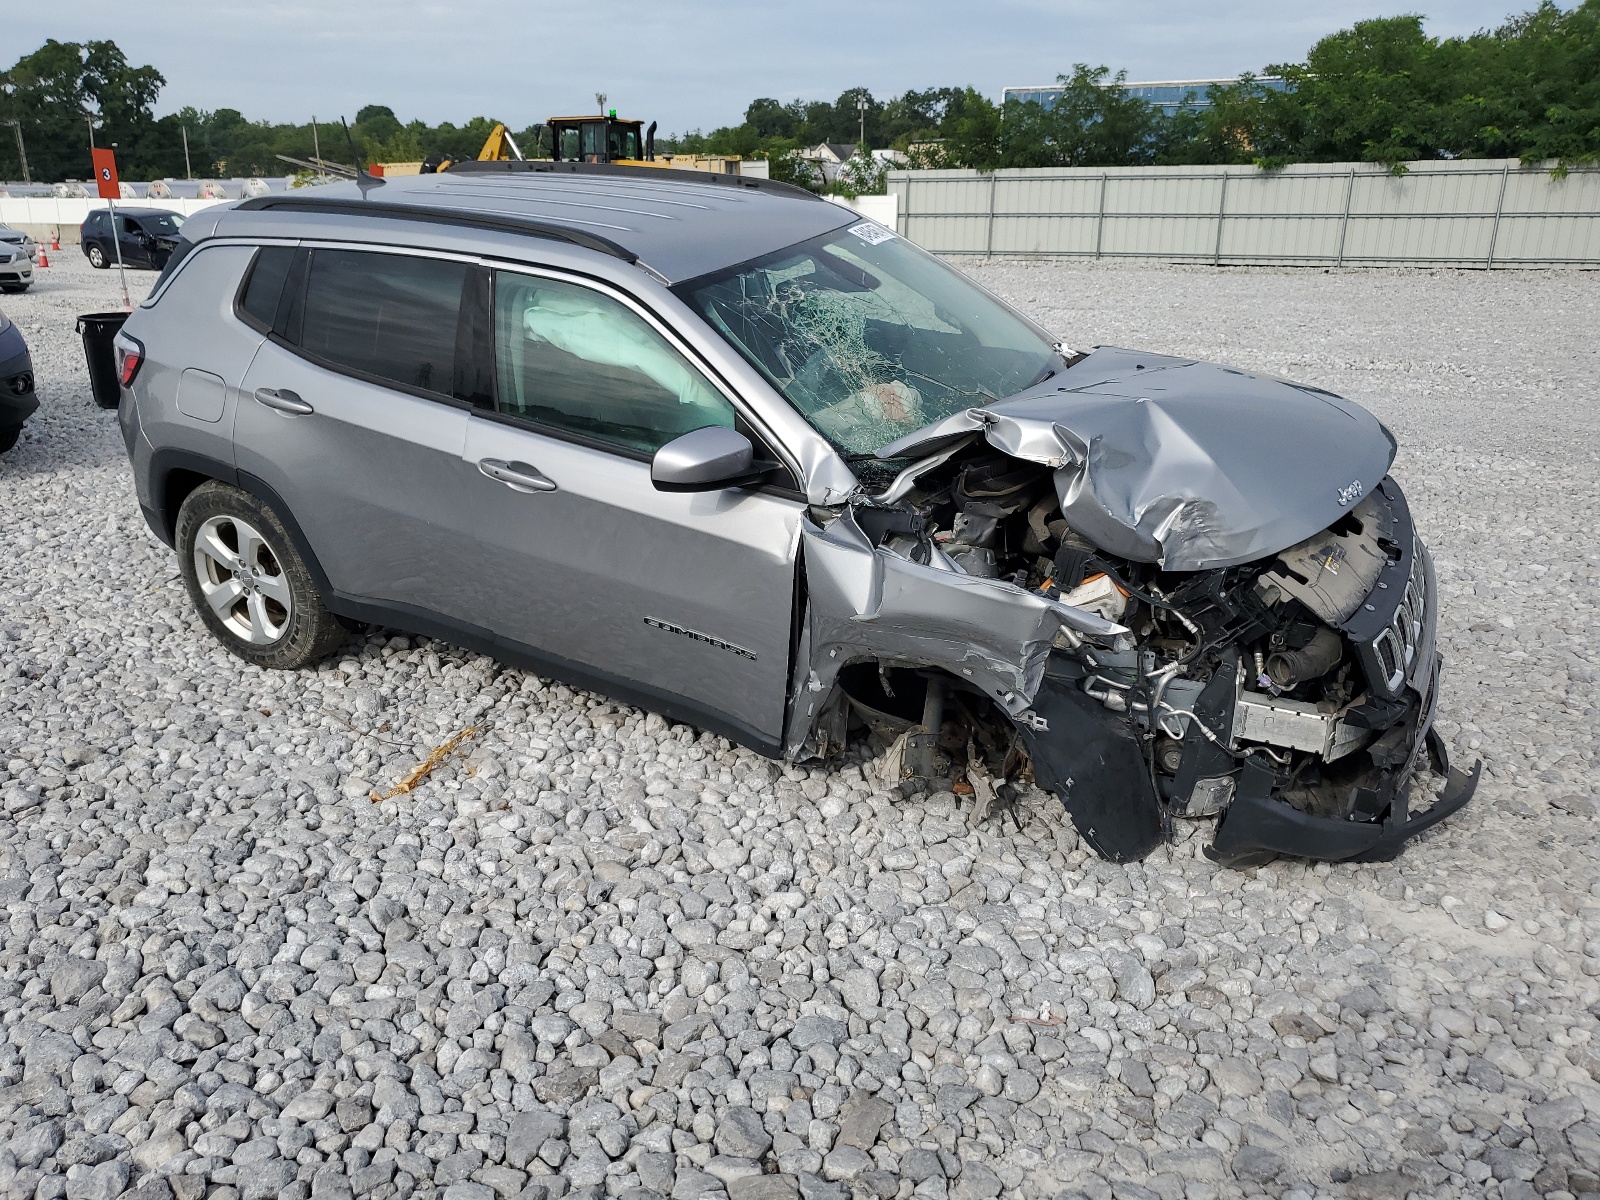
[
  {"x": 147, "y": 236},
  {"x": 17, "y": 401}
]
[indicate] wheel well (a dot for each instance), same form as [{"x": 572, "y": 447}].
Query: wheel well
[{"x": 180, "y": 481}]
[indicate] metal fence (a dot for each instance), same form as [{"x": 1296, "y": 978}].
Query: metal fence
[{"x": 1477, "y": 213}]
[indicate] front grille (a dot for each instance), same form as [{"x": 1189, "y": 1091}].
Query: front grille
[{"x": 1396, "y": 645}]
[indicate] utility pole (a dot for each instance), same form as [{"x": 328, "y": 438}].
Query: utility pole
[
  {"x": 22, "y": 151},
  {"x": 861, "y": 107},
  {"x": 188, "y": 171}
]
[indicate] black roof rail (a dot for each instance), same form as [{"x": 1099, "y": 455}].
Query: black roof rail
[
  {"x": 472, "y": 166},
  {"x": 438, "y": 215}
]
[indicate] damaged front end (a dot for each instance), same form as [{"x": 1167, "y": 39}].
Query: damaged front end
[{"x": 1133, "y": 590}]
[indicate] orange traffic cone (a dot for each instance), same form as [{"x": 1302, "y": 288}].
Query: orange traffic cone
[
  {"x": 44, "y": 260},
  {"x": 55, "y": 242}
]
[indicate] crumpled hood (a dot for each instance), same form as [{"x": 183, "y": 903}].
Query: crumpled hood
[{"x": 1188, "y": 464}]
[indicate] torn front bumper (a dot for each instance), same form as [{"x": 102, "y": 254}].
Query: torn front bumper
[
  {"x": 1095, "y": 760},
  {"x": 1393, "y": 635},
  {"x": 1258, "y": 827}
]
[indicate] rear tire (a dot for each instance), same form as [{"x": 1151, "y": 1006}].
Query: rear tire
[
  {"x": 250, "y": 586},
  {"x": 97, "y": 257}
]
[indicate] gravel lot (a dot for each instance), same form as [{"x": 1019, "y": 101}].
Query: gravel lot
[{"x": 598, "y": 955}]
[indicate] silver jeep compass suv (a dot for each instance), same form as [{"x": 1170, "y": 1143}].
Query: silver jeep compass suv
[{"x": 729, "y": 452}]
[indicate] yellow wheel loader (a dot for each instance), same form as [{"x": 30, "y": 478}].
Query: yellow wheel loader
[{"x": 606, "y": 138}]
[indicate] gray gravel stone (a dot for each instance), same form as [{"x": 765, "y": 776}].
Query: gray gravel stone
[
  {"x": 598, "y": 941},
  {"x": 741, "y": 1134}
]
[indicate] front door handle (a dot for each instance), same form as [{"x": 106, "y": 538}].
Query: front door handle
[
  {"x": 283, "y": 400},
  {"x": 518, "y": 476}
]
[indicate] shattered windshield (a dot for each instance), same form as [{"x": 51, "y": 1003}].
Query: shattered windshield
[{"x": 870, "y": 337}]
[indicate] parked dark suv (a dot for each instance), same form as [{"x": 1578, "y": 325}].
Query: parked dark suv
[{"x": 147, "y": 235}]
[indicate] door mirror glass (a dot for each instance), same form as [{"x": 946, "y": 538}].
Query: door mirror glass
[{"x": 702, "y": 461}]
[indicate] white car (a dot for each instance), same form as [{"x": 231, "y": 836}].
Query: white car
[{"x": 18, "y": 239}]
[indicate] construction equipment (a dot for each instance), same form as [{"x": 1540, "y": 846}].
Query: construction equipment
[{"x": 603, "y": 138}]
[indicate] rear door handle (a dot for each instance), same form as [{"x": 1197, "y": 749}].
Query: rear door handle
[
  {"x": 283, "y": 400},
  {"x": 518, "y": 476}
]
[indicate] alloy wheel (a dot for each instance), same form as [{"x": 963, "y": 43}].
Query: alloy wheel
[{"x": 242, "y": 580}]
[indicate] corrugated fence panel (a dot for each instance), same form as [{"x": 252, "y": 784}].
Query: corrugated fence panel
[{"x": 1471, "y": 213}]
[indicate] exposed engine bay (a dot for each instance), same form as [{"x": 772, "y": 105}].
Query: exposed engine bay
[{"x": 1289, "y": 697}]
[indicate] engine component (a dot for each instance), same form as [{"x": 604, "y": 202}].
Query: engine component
[
  {"x": 923, "y": 759},
  {"x": 976, "y": 560},
  {"x": 1293, "y": 724},
  {"x": 1100, "y": 596},
  {"x": 1210, "y": 796},
  {"x": 1315, "y": 659},
  {"x": 1334, "y": 571},
  {"x": 977, "y": 525}
]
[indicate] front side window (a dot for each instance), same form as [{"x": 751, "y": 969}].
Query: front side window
[
  {"x": 389, "y": 316},
  {"x": 576, "y": 361},
  {"x": 869, "y": 337},
  {"x": 162, "y": 224},
  {"x": 624, "y": 142}
]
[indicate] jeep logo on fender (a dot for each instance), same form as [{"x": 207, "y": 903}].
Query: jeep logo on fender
[{"x": 1350, "y": 493}]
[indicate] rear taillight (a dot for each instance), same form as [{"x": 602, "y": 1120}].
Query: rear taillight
[{"x": 130, "y": 355}]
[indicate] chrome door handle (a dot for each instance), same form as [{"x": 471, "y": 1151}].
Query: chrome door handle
[
  {"x": 518, "y": 476},
  {"x": 283, "y": 400}
]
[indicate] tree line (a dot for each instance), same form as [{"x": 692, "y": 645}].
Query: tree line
[{"x": 1382, "y": 91}]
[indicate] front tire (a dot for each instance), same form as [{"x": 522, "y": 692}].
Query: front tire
[
  {"x": 15, "y": 289},
  {"x": 8, "y": 437},
  {"x": 97, "y": 257},
  {"x": 250, "y": 586}
]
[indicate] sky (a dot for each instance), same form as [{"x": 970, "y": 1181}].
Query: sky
[{"x": 687, "y": 65}]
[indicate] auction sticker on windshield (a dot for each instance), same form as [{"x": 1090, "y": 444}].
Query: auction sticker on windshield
[{"x": 871, "y": 232}]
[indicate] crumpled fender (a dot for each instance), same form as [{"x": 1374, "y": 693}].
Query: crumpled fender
[{"x": 867, "y": 602}]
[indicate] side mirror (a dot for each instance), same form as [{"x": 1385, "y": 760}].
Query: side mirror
[{"x": 703, "y": 461}]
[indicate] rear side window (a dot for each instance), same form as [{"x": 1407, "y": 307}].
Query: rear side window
[
  {"x": 387, "y": 316},
  {"x": 264, "y": 288}
]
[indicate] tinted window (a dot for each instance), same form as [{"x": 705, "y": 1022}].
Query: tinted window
[
  {"x": 385, "y": 315},
  {"x": 161, "y": 224},
  {"x": 574, "y": 360},
  {"x": 265, "y": 285}
]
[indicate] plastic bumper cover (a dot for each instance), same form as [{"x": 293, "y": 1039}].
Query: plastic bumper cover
[{"x": 1257, "y": 828}]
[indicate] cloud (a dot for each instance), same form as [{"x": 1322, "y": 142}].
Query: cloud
[{"x": 681, "y": 64}]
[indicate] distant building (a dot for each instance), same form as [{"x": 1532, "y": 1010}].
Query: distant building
[
  {"x": 829, "y": 158},
  {"x": 1171, "y": 96}
]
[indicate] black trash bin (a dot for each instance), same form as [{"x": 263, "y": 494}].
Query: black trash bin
[{"x": 99, "y": 331}]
